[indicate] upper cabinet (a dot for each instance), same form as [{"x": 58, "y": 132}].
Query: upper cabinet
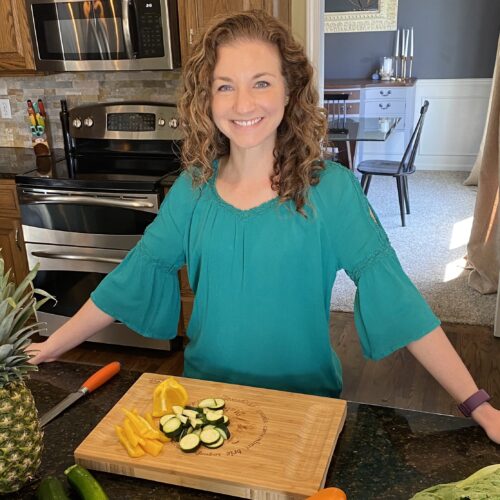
[
  {"x": 16, "y": 52},
  {"x": 195, "y": 14}
]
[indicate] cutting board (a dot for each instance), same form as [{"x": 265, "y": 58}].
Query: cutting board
[{"x": 280, "y": 447}]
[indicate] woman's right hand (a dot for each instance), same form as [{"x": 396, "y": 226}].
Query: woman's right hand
[{"x": 40, "y": 352}]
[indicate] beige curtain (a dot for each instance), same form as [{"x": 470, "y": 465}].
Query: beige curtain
[{"x": 483, "y": 249}]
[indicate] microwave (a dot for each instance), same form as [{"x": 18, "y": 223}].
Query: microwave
[{"x": 104, "y": 35}]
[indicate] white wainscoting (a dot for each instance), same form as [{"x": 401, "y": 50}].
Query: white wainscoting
[{"x": 454, "y": 124}]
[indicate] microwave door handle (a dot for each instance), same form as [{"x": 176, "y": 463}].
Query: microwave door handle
[
  {"x": 129, "y": 48},
  {"x": 84, "y": 200},
  {"x": 72, "y": 256}
]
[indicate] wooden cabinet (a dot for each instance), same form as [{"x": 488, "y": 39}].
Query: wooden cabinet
[
  {"x": 11, "y": 235},
  {"x": 16, "y": 52},
  {"x": 195, "y": 14}
]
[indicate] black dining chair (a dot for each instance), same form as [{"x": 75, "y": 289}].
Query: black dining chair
[
  {"x": 336, "y": 108},
  {"x": 400, "y": 170}
]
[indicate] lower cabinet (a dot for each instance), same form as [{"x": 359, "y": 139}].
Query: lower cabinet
[{"x": 11, "y": 235}]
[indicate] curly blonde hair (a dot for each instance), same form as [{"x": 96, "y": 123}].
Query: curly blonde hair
[{"x": 297, "y": 153}]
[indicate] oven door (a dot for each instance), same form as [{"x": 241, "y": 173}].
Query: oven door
[
  {"x": 86, "y": 35},
  {"x": 78, "y": 238}
]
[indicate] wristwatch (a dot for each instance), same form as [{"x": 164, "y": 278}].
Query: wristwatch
[{"x": 470, "y": 404}]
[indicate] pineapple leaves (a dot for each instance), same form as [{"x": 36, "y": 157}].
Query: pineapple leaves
[
  {"x": 27, "y": 281},
  {"x": 5, "y": 351}
]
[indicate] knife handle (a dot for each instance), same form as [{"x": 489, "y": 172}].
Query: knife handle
[{"x": 101, "y": 376}]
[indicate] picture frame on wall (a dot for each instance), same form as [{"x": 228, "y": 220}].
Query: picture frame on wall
[{"x": 346, "y": 16}]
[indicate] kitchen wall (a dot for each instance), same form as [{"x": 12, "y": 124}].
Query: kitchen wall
[
  {"x": 77, "y": 88},
  {"x": 453, "y": 39}
]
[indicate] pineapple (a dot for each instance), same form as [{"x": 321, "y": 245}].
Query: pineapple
[{"x": 20, "y": 432}]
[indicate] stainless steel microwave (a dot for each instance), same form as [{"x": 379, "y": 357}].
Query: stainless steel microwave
[{"x": 104, "y": 35}]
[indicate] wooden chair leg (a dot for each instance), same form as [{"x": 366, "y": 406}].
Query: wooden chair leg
[
  {"x": 399, "y": 183},
  {"x": 367, "y": 183},
  {"x": 407, "y": 194}
]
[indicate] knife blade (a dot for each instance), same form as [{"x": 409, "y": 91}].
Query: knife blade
[{"x": 93, "y": 382}]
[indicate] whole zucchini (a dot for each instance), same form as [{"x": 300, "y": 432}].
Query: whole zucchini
[
  {"x": 85, "y": 483},
  {"x": 51, "y": 489}
]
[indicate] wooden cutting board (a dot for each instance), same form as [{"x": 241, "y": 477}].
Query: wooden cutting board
[{"x": 280, "y": 447}]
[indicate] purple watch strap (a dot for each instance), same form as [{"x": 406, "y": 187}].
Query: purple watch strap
[{"x": 470, "y": 404}]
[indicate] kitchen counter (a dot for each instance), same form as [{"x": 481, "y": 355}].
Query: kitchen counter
[
  {"x": 16, "y": 161},
  {"x": 382, "y": 452}
]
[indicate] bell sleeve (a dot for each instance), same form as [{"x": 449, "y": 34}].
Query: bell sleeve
[
  {"x": 143, "y": 291},
  {"x": 389, "y": 311}
]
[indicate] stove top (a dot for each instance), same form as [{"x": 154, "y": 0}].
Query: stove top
[{"x": 53, "y": 171}]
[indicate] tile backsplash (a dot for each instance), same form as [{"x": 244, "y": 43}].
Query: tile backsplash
[{"x": 77, "y": 88}]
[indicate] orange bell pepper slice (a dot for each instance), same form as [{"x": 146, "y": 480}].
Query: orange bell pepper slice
[
  {"x": 133, "y": 451},
  {"x": 167, "y": 394}
]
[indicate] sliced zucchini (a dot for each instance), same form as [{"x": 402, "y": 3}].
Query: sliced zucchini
[
  {"x": 209, "y": 436},
  {"x": 197, "y": 432},
  {"x": 215, "y": 417},
  {"x": 183, "y": 418},
  {"x": 172, "y": 427},
  {"x": 189, "y": 443},
  {"x": 218, "y": 443},
  {"x": 177, "y": 409},
  {"x": 165, "y": 418},
  {"x": 190, "y": 413},
  {"x": 224, "y": 431},
  {"x": 225, "y": 420},
  {"x": 194, "y": 408},
  {"x": 207, "y": 403},
  {"x": 219, "y": 404}
]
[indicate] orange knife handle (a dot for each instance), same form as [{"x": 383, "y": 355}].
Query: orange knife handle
[{"x": 101, "y": 376}]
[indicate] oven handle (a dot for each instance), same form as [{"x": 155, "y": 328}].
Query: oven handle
[
  {"x": 68, "y": 256},
  {"x": 126, "y": 29},
  {"x": 85, "y": 200}
]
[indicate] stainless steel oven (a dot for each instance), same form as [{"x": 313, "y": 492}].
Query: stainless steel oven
[
  {"x": 90, "y": 35},
  {"x": 81, "y": 216}
]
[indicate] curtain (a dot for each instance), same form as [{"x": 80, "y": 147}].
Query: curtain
[{"x": 483, "y": 249}]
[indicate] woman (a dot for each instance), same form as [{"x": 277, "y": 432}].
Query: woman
[{"x": 264, "y": 224}]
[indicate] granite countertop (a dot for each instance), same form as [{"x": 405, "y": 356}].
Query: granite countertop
[
  {"x": 381, "y": 453},
  {"x": 16, "y": 161}
]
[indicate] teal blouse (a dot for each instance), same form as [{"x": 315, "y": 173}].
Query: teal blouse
[{"x": 262, "y": 280}]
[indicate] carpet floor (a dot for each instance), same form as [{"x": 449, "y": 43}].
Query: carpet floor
[{"x": 431, "y": 247}]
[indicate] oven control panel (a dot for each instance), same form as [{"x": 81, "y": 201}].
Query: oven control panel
[{"x": 126, "y": 120}]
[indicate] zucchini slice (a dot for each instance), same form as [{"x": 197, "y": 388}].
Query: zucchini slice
[
  {"x": 207, "y": 403},
  {"x": 189, "y": 443},
  {"x": 177, "y": 409},
  {"x": 215, "y": 417},
  {"x": 224, "y": 431},
  {"x": 172, "y": 427},
  {"x": 209, "y": 436},
  {"x": 219, "y": 404},
  {"x": 218, "y": 443}
]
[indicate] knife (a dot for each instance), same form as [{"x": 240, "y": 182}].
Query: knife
[{"x": 93, "y": 382}]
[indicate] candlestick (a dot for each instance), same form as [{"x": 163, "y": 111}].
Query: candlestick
[
  {"x": 411, "y": 66},
  {"x": 396, "y": 49},
  {"x": 411, "y": 42}
]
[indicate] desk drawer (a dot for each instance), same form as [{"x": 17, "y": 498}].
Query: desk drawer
[
  {"x": 384, "y": 108},
  {"x": 385, "y": 93}
]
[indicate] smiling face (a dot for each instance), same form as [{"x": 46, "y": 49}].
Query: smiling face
[{"x": 248, "y": 94}]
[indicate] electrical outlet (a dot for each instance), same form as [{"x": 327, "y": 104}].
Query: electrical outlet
[{"x": 5, "y": 111}]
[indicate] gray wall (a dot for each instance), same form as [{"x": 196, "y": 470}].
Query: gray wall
[{"x": 453, "y": 39}]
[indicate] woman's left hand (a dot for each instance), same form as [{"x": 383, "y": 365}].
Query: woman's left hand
[{"x": 488, "y": 418}]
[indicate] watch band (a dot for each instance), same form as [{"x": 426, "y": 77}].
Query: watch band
[{"x": 470, "y": 404}]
